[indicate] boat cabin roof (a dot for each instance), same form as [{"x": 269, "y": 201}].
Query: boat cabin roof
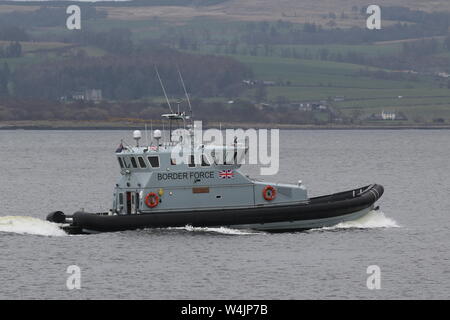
[{"x": 160, "y": 157}]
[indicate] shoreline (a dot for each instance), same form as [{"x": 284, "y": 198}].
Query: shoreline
[{"x": 128, "y": 125}]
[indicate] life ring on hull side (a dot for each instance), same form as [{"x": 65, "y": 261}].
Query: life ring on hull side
[
  {"x": 269, "y": 193},
  {"x": 151, "y": 200}
]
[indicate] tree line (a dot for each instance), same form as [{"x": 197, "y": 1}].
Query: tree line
[
  {"x": 239, "y": 111},
  {"x": 11, "y": 50},
  {"x": 131, "y": 77}
]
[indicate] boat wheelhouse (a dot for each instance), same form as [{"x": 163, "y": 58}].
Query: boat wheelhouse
[{"x": 152, "y": 180}]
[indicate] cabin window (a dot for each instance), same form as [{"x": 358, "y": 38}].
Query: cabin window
[
  {"x": 205, "y": 161},
  {"x": 173, "y": 162},
  {"x": 133, "y": 162},
  {"x": 120, "y": 162},
  {"x": 191, "y": 161},
  {"x": 142, "y": 162},
  {"x": 229, "y": 162},
  {"x": 136, "y": 197},
  {"x": 129, "y": 203},
  {"x": 121, "y": 198},
  {"x": 213, "y": 155},
  {"x": 228, "y": 158},
  {"x": 125, "y": 163},
  {"x": 154, "y": 161}
]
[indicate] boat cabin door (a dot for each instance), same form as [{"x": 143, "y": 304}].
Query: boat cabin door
[{"x": 132, "y": 202}]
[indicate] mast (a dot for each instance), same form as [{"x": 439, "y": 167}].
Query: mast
[
  {"x": 175, "y": 115},
  {"x": 186, "y": 94},
  {"x": 164, "y": 90}
]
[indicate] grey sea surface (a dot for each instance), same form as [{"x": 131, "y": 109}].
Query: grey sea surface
[{"x": 409, "y": 239}]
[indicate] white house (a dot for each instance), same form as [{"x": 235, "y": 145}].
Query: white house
[{"x": 387, "y": 115}]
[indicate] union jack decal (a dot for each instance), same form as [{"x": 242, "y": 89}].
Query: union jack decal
[{"x": 226, "y": 174}]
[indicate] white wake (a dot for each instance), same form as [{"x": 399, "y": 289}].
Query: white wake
[
  {"x": 221, "y": 230},
  {"x": 35, "y": 226},
  {"x": 29, "y": 225},
  {"x": 372, "y": 220}
]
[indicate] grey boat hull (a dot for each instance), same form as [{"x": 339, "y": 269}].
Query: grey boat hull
[
  {"x": 300, "y": 225},
  {"x": 315, "y": 213}
]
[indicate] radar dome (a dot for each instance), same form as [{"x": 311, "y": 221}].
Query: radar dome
[
  {"x": 157, "y": 134},
  {"x": 137, "y": 134}
]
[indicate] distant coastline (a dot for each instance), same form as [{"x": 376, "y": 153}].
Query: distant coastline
[{"x": 128, "y": 125}]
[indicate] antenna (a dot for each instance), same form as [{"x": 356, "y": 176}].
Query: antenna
[
  {"x": 185, "y": 91},
  {"x": 163, "y": 131},
  {"x": 146, "y": 135},
  {"x": 151, "y": 131},
  {"x": 164, "y": 90},
  {"x": 157, "y": 135}
]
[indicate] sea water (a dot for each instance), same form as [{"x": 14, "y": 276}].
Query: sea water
[{"x": 408, "y": 238}]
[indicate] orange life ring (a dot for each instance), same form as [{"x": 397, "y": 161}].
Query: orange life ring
[
  {"x": 151, "y": 200},
  {"x": 269, "y": 193}
]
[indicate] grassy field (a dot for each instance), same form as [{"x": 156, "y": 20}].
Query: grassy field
[
  {"x": 37, "y": 52},
  {"x": 26, "y": 59},
  {"x": 312, "y": 80},
  {"x": 316, "y": 73},
  {"x": 321, "y": 93},
  {"x": 28, "y": 47},
  {"x": 258, "y": 10},
  {"x": 269, "y": 10}
]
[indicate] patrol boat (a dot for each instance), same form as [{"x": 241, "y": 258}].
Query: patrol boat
[{"x": 154, "y": 191}]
